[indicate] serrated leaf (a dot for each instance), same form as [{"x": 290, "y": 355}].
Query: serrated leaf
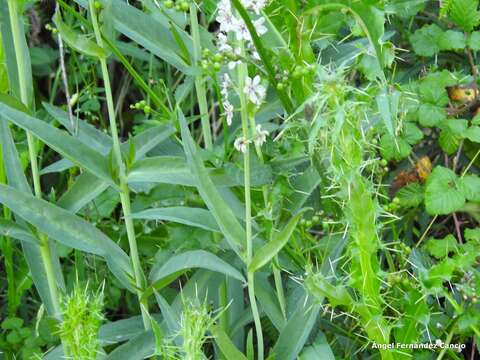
[
  {"x": 452, "y": 40},
  {"x": 465, "y": 14},
  {"x": 442, "y": 193},
  {"x": 425, "y": 40},
  {"x": 411, "y": 195},
  {"x": 394, "y": 148},
  {"x": 440, "y": 248},
  {"x": 470, "y": 187},
  {"x": 473, "y": 41},
  {"x": 431, "y": 115}
]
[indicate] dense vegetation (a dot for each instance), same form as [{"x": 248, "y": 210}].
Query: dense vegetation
[{"x": 239, "y": 179}]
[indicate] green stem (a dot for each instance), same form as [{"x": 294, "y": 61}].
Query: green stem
[
  {"x": 242, "y": 74},
  {"x": 44, "y": 247},
  {"x": 124, "y": 190},
  {"x": 199, "y": 83}
]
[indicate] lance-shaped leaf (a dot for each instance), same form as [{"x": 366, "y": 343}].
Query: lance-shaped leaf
[
  {"x": 69, "y": 146},
  {"x": 184, "y": 215},
  {"x": 13, "y": 230},
  {"x": 190, "y": 260},
  {"x": 226, "y": 220},
  {"x": 79, "y": 42},
  {"x": 269, "y": 250},
  {"x": 68, "y": 229}
]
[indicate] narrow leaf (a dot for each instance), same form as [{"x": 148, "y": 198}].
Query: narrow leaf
[
  {"x": 268, "y": 251},
  {"x": 194, "y": 259},
  {"x": 184, "y": 215}
]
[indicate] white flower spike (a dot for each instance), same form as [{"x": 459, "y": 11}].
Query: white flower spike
[
  {"x": 228, "y": 108},
  {"x": 261, "y": 135},
  {"x": 241, "y": 144},
  {"x": 259, "y": 27},
  {"x": 254, "y": 90}
]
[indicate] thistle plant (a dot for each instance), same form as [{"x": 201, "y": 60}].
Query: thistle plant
[{"x": 82, "y": 312}]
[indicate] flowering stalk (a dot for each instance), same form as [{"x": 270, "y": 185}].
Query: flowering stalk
[
  {"x": 124, "y": 190},
  {"x": 242, "y": 75},
  {"x": 199, "y": 84}
]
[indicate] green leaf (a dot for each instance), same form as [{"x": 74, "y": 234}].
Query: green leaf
[
  {"x": 161, "y": 169},
  {"x": 442, "y": 193},
  {"x": 13, "y": 60},
  {"x": 225, "y": 344},
  {"x": 85, "y": 189},
  {"x": 140, "y": 347},
  {"x": 226, "y": 220},
  {"x": 394, "y": 148},
  {"x": 412, "y": 134},
  {"x": 452, "y": 133},
  {"x": 11, "y": 229},
  {"x": 470, "y": 187},
  {"x": 272, "y": 248},
  {"x": 193, "y": 259},
  {"x": 411, "y": 195},
  {"x": 67, "y": 229},
  {"x": 184, "y": 215},
  {"x": 473, "y": 134},
  {"x": 465, "y": 14},
  {"x": 440, "y": 248},
  {"x": 70, "y": 147},
  {"x": 431, "y": 115},
  {"x": 432, "y": 88},
  {"x": 452, "y": 40},
  {"x": 147, "y": 30},
  {"x": 473, "y": 41},
  {"x": 79, "y": 42},
  {"x": 320, "y": 349},
  {"x": 295, "y": 333},
  {"x": 32, "y": 252},
  {"x": 425, "y": 41}
]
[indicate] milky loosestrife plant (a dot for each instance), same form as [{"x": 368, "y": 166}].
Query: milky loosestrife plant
[{"x": 241, "y": 179}]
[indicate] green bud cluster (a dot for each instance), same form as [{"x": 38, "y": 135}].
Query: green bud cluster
[
  {"x": 181, "y": 6},
  {"x": 394, "y": 205},
  {"x": 216, "y": 60},
  {"x": 141, "y": 105},
  {"x": 52, "y": 29},
  {"x": 313, "y": 221}
]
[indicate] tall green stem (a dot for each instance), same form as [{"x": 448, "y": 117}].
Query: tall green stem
[
  {"x": 242, "y": 74},
  {"x": 32, "y": 152},
  {"x": 199, "y": 84},
  {"x": 124, "y": 190}
]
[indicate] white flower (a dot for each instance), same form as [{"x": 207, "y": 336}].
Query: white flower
[
  {"x": 254, "y": 90},
  {"x": 241, "y": 144},
  {"x": 259, "y": 27},
  {"x": 258, "y": 5},
  {"x": 228, "y": 108},
  {"x": 232, "y": 64},
  {"x": 222, "y": 42},
  {"x": 260, "y": 136},
  {"x": 247, "y": 3},
  {"x": 225, "y": 85},
  {"x": 241, "y": 31},
  {"x": 225, "y": 16},
  {"x": 253, "y": 51}
]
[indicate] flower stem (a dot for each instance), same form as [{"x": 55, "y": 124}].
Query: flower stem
[
  {"x": 44, "y": 246},
  {"x": 124, "y": 190},
  {"x": 199, "y": 84},
  {"x": 242, "y": 74}
]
